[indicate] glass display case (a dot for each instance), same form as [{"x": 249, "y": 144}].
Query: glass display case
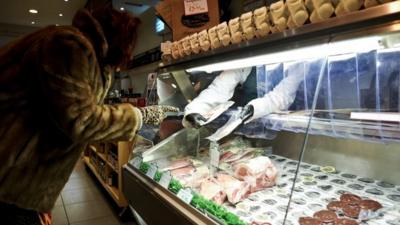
[{"x": 334, "y": 156}]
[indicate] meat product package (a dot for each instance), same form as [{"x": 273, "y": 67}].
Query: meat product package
[
  {"x": 235, "y": 189},
  {"x": 211, "y": 190},
  {"x": 258, "y": 172}
]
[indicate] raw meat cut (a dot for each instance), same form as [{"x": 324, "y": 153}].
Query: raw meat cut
[
  {"x": 247, "y": 154},
  {"x": 211, "y": 190},
  {"x": 182, "y": 171},
  {"x": 258, "y": 172},
  {"x": 194, "y": 180},
  {"x": 235, "y": 189},
  {"x": 177, "y": 165}
]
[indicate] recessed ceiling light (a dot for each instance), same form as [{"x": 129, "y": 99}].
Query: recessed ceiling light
[
  {"x": 122, "y": 8},
  {"x": 33, "y": 22},
  {"x": 65, "y": 0},
  {"x": 34, "y": 11},
  {"x": 60, "y": 14},
  {"x": 57, "y": 24}
]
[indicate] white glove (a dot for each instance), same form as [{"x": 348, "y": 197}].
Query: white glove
[{"x": 280, "y": 98}]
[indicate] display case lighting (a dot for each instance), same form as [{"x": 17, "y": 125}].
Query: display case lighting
[{"x": 316, "y": 51}]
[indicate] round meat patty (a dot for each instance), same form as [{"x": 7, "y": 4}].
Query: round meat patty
[
  {"x": 335, "y": 205},
  {"x": 326, "y": 216},
  {"x": 346, "y": 222},
  {"x": 309, "y": 221},
  {"x": 350, "y": 198},
  {"x": 370, "y": 205},
  {"x": 352, "y": 211}
]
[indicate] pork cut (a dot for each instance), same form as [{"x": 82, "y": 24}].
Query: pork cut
[
  {"x": 258, "y": 172},
  {"x": 211, "y": 190},
  {"x": 235, "y": 189}
]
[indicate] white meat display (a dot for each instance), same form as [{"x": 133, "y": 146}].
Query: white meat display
[{"x": 235, "y": 189}]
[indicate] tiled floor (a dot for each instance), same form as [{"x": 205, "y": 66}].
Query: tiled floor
[{"x": 83, "y": 202}]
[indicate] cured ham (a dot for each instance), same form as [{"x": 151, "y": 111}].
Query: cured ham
[{"x": 258, "y": 172}]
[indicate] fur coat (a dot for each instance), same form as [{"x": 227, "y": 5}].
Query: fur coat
[{"x": 51, "y": 92}]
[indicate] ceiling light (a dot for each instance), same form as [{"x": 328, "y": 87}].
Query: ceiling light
[
  {"x": 122, "y": 8},
  {"x": 33, "y": 22},
  {"x": 57, "y": 24},
  {"x": 60, "y": 14},
  {"x": 33, "y": 11},
  {"x": 65, "y": 0}
]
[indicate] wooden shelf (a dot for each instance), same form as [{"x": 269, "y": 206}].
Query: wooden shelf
[
  {"x": 113, "y": 191},
  {"x": 104, "y": 158},
  {"x": 123, "y": 151}
]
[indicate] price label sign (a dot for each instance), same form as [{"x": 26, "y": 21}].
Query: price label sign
[
  {"x": 151, "y": 172},
  {"x": 193, "y": 7},
  {"x": 137, "y": 161},
  {"x": 165, "y": 179},
  {"x": 185, "y": 195},
  {"x": 214, "y": 154}
]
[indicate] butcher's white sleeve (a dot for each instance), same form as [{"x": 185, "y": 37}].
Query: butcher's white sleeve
[
  {"x": 279, "y": 99},
  {"x": 218, "y": 92}
]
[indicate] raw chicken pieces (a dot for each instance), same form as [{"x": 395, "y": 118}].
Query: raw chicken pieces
[{"x": 258, "y": 172}]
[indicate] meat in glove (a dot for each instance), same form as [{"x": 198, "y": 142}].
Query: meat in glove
[{"x": 156, "y": 114}]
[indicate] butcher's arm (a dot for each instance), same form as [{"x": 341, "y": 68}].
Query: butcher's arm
[
  {"x": 279, "y": 99},
  {"x": 218, "y": 92}
]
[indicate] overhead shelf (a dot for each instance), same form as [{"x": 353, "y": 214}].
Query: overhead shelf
[{"x": 309, "y": 34}]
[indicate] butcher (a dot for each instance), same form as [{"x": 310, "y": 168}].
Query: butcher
[{"x": 225, "y": 86}]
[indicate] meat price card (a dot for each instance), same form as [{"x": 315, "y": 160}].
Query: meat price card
[
  {"x": 165, "y": 179},
  {"x": 185, "y": 195},
  {"x": 151, "y": 172},
  {"x": 137, "y": 161}
]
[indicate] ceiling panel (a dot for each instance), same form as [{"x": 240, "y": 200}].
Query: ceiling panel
[{"x": 17, "y": 12}]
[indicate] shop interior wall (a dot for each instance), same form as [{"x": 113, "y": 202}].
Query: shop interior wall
[
  {"x": 9, "y": 32},
  {"x": 370, "y": 159}
]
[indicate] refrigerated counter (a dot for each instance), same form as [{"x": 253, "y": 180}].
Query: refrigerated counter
[{"x": 331, "y": 157}]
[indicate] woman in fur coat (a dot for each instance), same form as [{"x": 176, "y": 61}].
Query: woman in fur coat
[{"x": 52, "y": 86}]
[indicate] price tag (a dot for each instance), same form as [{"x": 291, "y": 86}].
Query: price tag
[
  {"x": 151, "y": 172},
  {"x": 137, "y": 161},
  {"x": 193, "y": 7},
  {"x": 214, "y": 154},
  {"x": 185, "y": 195},
  {"x": 165, "y": 179}
]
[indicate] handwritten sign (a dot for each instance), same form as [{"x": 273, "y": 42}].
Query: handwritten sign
[
  {"x": 136, "y": 162},
  {"x": 151, "y": 172},
  {"x": 193, "y": 7},
  {"x": 165, "y": 179},
  {"x": 185, "y": 195}
]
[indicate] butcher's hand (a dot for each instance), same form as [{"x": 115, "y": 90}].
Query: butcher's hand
[
  {"x": 195, "y": 120},
  {"x": 246, "y": 113},
  {"x": 155, "y": 114}
]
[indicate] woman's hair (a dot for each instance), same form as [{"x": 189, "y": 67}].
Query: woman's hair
[{"x": 120, "y": 31}]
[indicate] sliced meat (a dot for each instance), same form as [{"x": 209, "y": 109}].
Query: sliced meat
[
  {"x": 258, "y": 172},
  {"x": 182, "y": 171},
  {"x": 326, "y": 216},
  {"x": 309, "y": 221},
  {"x": 235, "y": 189},
  {"x": 335, "y": 206},
  {"x": 211, "y": 190},
  {"x": 350, "y": 198},
  {"x": 346, "y": 222},
  {"x": 352, "y": 210},
  {"x": 177, "y": 165},
  {"x": 247, "y": 154},
  {"x": 370, "y": 205}
]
